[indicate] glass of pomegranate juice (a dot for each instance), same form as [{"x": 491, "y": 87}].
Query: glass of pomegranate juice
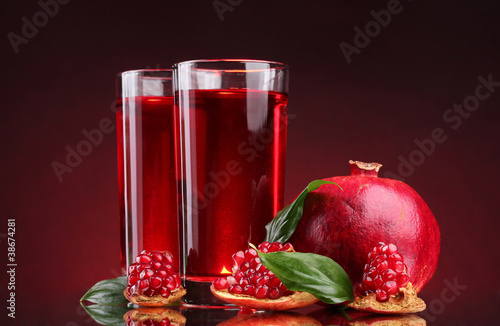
[
  {"x": 233, "y": 120},
  {"x": 146, "y": 164}
]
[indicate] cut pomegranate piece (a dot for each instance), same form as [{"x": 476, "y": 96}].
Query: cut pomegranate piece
[
  {"x": 151, "y": 280},
  {"x": 385, "y": 286},
  {"x": 154, "y": 316},
  {"x": 252, "y": 285}
]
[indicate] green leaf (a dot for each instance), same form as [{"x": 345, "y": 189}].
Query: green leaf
[
  {"x": 285, "y": 222},
  {"x": 315, "y": 274},
  {"x": 107, "y": 315},
  {"x": 107, "y": 292}
]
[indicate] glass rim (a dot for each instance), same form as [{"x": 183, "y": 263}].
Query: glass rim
[
  {"x": 273, "y": 65},
  {"x": 138, "y": 72}
]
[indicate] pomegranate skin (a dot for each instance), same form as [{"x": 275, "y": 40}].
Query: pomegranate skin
[{"x": 346, "y": 224}]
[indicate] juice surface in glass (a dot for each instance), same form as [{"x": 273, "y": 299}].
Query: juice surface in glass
[
  {"x": 147, "y": 176},
  {"x": 234, "y": 142}
]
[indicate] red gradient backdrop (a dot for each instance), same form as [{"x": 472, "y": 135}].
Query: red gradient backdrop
[{"x": 395, "y": 90}]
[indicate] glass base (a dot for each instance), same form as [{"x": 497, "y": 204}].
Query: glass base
[{"x": 199, "y": 294}]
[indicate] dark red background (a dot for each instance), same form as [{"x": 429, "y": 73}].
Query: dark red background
[{"x": 394, "y": 92}]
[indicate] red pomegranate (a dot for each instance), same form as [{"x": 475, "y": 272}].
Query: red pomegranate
[{"x": 346, "y": 224}]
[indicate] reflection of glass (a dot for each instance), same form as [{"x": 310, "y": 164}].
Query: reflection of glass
[
  {"x": 233, "y": 117},
  {"x": 270, "y": 318},
  {"x": 359, "y": 318},
  {"x": 146, "y": 163},
  {"x": 154, "y": 316},
  {"x": 206, "y": 317}
]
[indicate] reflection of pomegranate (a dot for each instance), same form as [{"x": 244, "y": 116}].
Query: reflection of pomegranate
[
  {"x": 346, "y": 224},
  {"x": 252, "y": 285},
  {"x": 157, "y": 316},
  {"x": 275, "y": 318}
]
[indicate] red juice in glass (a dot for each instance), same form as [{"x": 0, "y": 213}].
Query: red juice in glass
[
  {"x": 147, "y": 176},
  {"x": 234, "y": 142}
]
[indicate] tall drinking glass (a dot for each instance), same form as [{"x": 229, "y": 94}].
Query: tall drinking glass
[
  {"x": 233, "y": 119},
  {"x": 146, "y": 163}
]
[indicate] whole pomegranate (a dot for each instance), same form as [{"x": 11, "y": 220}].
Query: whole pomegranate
[{"x": 345, "y": 224}]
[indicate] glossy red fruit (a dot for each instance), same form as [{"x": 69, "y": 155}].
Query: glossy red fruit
[
  {"x": 151, "y": 280},
  {"x": 345, "y": 224},
  {"x": 253, "y": 285}
]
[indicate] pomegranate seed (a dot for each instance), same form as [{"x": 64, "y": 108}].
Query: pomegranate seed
[
  {"x": 162, "y": 272},
  {"x": 169, "y": 283},
  {"x": 132, "y": 279},
  {"x": 244, "y": 282},
  {"x": 249, "y": 290},
  {"x": 249, "y": 272},
  {"x": 262, "y": 280},
  {"x": 155, "y": 282},
  {"x": 372, "y": 272},
  {"x": 177, "y": 279},
  {"x": 369, "y": 284},
  {"x": 263, "y": 245},
  {"x": 390, "y": 287},
  {"x": 164, "y": 322},
  {"x": 245, "y": 266},
  {"x": 143, "y": 259},
  {"x": 236, "y": 289},
  {"x": 146, "y": 274},
  {"x": 274, "y": 282},
  {"x": 274, "y": 293},
  {"x": 395, "y": 256},
  {"x": 238, "y": 276},
  {"x": 231, "y": 280},
  {"x": 168, "y": 258},
  {"x": 398, "y": 266},
  {"x": 382, "y": 266},
  {"x": 287, "y": 247},
  {"x": 270, "y": 274},
  {"x": 132, "y": 269},
  {"x": 389, "y": 275},
  {"x": 149, "y": 292},
  {"x": 254, "y": 277},
  {"x": 145, "y": 252},
  {"x": 261, "y": 268},
  {"x": 156, "y": 255},
  {"x": 238, "y": 259},
  {"x": 381, "y": 295},
  {"x": 142, "y": 267},
  {"x": 275, "y": 246},
  {"x": 143, "y": 284},
  {"x": 261, "y": 292},
  {"x": 164, "y": 292},
  {"x": 250, "y": 254},
  {"x": 220, "y": 283},
  {"x": 402, "y": 279},
  {"x": 156, "y": 264},
  {"x": 255, "y": 262},
  {"x": 148, "y": 322}
]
